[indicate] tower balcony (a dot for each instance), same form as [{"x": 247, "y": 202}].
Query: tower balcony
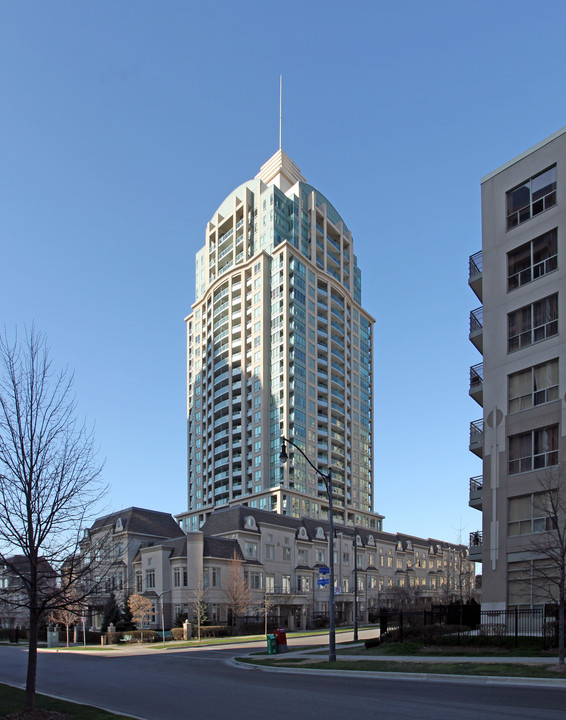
[
  {"x": 476, "y": 437},
  {"x": 475, "y": 277},
  {"x": 476, "y": 383},
  {"x": 476, "y": 492},
  {"x": 476, "y": 546},
  {"x": 476, "y": 328}
]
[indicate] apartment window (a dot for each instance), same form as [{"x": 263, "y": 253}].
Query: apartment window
[
  {"x": 532, "y": 260},
  {"x": 531, "y": 197},
  {"x": 286, "y": 583},
  {"x": 345, "y": 585},
  {"x": 320, "y": 556},
  {"x": 286, "y": 554},
  {"x": 532, "y": 323},
  {"x": 531, "y": 513},
  {"x": 177, "y": 577},
  {"x": 270, "y": 552},
  {"x": 533, "y": 450},
  {"x": 534, "y": 386},
  {"x": 304, "y": 583},
  {"x": 302, "y": 556},
  {"x": 346, "y": 558},
  {"x": 139, "y": 582},
  {"x": 149, "y": 579},
  {"x": 270, "y": 583},
  {"x": 250, "y": 549},
  {"x": 253, "y": 580},
  {"x": 215, "y": 577}
]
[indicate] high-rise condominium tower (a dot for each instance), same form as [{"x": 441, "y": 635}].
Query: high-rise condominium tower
[{"x": 279, "y": 345}]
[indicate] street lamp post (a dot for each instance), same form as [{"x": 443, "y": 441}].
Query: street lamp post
[
  {"x": 327, "y": 479},
  {"x": 355, "y": 584},
  {"x": 160, "y": 596}
]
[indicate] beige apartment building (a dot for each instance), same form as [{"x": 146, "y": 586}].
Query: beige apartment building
[{"x": 519, "y": 277}]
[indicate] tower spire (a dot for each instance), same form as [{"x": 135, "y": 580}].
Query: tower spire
[{"x": 280, "y": 106}]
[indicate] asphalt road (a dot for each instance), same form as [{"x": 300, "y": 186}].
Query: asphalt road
[{"x": 201, "y": 684}]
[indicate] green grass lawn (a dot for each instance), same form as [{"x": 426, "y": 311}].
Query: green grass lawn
[
  {"x": 468, "y": 668},
  {"x": 419, "y": 648},
  {"x": 12, "y": 700},
  {"x": 174, "y": 644}
]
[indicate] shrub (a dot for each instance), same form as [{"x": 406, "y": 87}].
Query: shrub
[
  {"x": 372, "y": 642},
  {"x": 208, "y": 631},
  {"x": 177, "y": 633},
  {"x": 132, "y": 636}
]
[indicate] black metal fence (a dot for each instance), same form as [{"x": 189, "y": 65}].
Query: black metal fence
[{"x": 469, "y": 625}]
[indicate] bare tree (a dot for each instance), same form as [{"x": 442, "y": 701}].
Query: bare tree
[
  {"x": 238, "y": 593},
  {"x": 140, "y": 607},
  {"x": 199, "y": 604},
  {"x": 265, "y": 606},
  {"x": 68, "y": 614},
  {"x": 546, "y": 573},
  {"x": 405, "y": 598},
  {"x": 49, "y": 483}
]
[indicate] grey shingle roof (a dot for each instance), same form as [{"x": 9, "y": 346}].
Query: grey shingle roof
[
  {"x": 141, "y": 521},
  {"x": 222, "y": 548}
]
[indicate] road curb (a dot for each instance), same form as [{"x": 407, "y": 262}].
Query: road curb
[{"x": 556, "y": 683}]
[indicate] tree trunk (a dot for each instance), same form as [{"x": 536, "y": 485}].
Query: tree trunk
[{"x": 32, "y": 661}]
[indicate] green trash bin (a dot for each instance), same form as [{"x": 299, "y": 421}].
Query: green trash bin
[{"x": 271, "y": 645}]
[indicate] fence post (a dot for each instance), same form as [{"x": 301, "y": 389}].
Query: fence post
[{"x": 516, "y": 627}]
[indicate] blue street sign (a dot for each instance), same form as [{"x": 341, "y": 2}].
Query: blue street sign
[
  {"x": 324, "y": 570},
  {"x": 323, "y": 582}
]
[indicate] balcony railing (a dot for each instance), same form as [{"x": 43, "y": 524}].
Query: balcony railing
[
  {"x": 476, "y": 437},
  {"x": 476, "y": 328},
  {"x": 476, "y": 492},
  {"x": 476, "y": 265},
  {"x": 476, "y": 539},
  {"x": 476, "y": 483},
  {"x": 476, "y": 383},
  {"x": 476, "y": 376},
  {"x": 476, "y": 320}
]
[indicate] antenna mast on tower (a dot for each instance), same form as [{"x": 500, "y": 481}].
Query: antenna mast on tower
[{"x": 280, "y": 106}]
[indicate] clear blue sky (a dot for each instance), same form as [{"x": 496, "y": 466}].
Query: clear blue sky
[{"x": 125, "y": 123}]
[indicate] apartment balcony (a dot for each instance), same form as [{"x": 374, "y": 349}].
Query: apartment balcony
[
  {"x": 476, "y": 492},
  {"x": 476, "y": 546},
  {"x": 476, "y": 328},
  {"x": 476, "y": 383},
  {"x": 476, "y": 437},
  {"x": 475, "y": 277}
]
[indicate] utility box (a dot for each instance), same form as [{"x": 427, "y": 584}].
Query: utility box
[
  {"x": 271, "y": 645},
  {"x": 281, "y": 635}
]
